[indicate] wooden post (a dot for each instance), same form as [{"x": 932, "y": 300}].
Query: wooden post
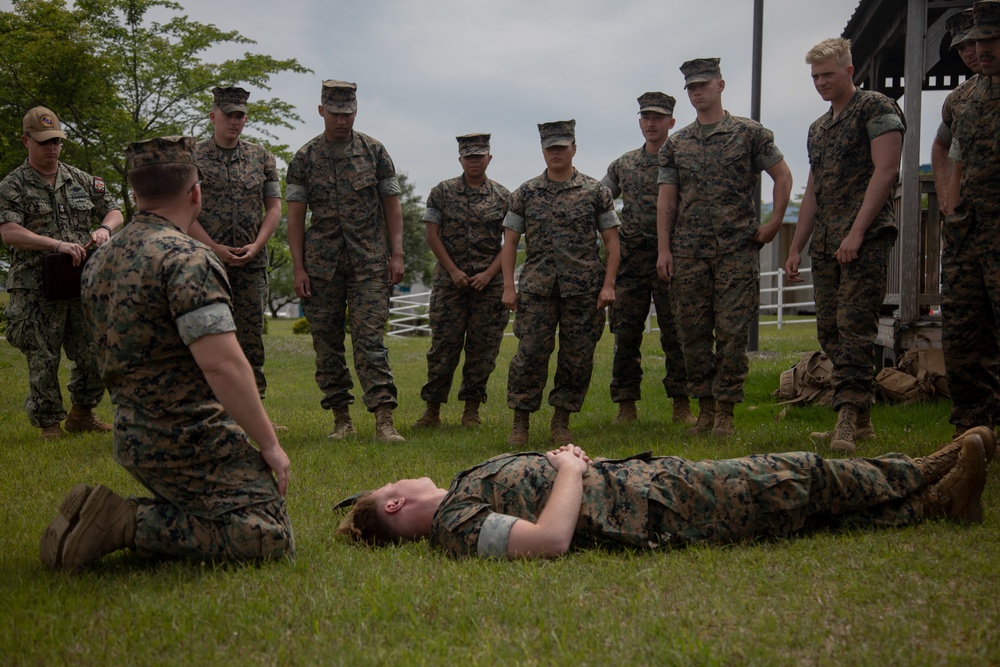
[{"x": 909, "y": 219}]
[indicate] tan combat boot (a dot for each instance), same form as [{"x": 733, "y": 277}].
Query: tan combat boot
[
  {"x": 385, "y": 430},
  {"x": 470, "y": 415},
  {"x": 519, "y": 431},
  {"x": 682, "y": 411},
  {"x": 54, "y": 536},
  {"x": 706, "y": 417},
  {"x": 845, "y": 430},
  {"x": 106, "y": 524},
  {"x": 626, "y": 413},
  {"x": 863, "y": 429},
  {"x": 83, "y": 419},
  {"x": 343, "y": 426},
  {"x": 559, "y": 427},
  {"x": 431, "y": 416},
  {"x": 723, "y": 425},
  {"x": 986, "y": 434},
  {"x": 52, "y": 432},
  {"x": 958, "y": 495}
]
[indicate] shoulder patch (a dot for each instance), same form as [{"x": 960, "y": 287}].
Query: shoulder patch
[{"x": 99, "y": 185}]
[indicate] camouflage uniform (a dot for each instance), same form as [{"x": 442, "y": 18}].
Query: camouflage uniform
[
  {"x": 971, "y": 252},
  {"x": 346, "y": 256},
  {"x": 558, "y": 288},
  {"x": 633, "y": 178},
  {"x": 716, "y": 282},
  {"x": 470, "y": 222},
  {"x": 848, "y": 297},
  {"x": 39, "y": 328},
  {"x": 233, "y": 189},
  {"x": 662, "y": 502},
  {"x": 151, "y": 292}
]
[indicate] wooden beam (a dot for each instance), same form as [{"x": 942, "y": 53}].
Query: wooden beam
[{"x": 909, "y": 220}]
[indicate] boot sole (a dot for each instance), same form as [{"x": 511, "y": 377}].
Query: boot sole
[
  {"x": 970, "y": 507},
  {"x": 91, "y": 510},
  {"x": 54, "y": 537}
]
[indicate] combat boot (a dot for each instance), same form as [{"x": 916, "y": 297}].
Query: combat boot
[
  {"x": 54, "y": 537},
  {"x": 723, "y": 425},
  {"x": 83, "y": 419},
  {"x": 863, "y": 429},
  {"x": 986, "y": 435},
  {"x": 519, "y": 430},
  {"x": 958, "y": 495},
  {"x": 52, "y": 432},
  {"x": 844, "y": 431},
  {"x": 706, "y": 417},
  {"x": 385, "y": 430},
  {"x": 559, "y": 427},
  {"x": 470, "y": 415},
  {"x": 106, "y": 524},
  {"x": 431, "y": 416},
  {"x": 626, "y": 413},
  {"x": 682, "y": 411},
  {"x": 343, "y": 426}
]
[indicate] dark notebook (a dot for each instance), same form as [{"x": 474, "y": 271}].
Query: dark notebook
[{"x": 60, "y": 279}]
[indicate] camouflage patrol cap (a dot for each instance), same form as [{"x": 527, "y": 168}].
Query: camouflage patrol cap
[
  {"x": 473, "y": 144},
  {"x": 42, "y": 124},
  {"x": 958, "y": 26},
  {"x": 161, "y": 150},
  {"x": 557, "y": 133},
  {"x": 986, "y": 15},
  {"x": 340, "y": 96},
  {"x": 700, "y": 70},
  {"x": 658, "y": 103},
  {"x": 230, "y": 99}
]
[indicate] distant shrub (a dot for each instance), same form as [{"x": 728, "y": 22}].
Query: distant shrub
[{"x": 301, "y": 326}]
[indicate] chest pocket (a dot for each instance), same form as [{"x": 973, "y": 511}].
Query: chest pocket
[
  {"x": 252, "y": 181},
  {"x": 735, "y": 157},
  {"x": 37, "y": 207}
]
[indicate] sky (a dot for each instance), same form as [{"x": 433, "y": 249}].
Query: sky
[{"x": 429, "y": 70}]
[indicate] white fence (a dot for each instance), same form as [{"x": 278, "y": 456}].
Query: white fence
[{"x": 408, "y": 312}]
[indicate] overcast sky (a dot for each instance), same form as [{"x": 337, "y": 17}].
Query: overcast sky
[{"x": 428, "y": 70}]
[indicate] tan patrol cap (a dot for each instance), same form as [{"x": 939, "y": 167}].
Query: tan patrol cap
[
  {"x": 700, "y": 70},
  {"x": 230, "y": 99},
  {"x": 161, "y": 150},
  {"x": 657, "y": 102},
  {"x": 986, "y": 15},
  {"x": 42, "y": 124}
]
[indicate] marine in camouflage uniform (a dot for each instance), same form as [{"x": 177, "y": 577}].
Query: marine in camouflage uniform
[
  {"x": 711, "y": 238},
  {"x": 561, "y": 500},
  {"x": 154, "y": 293},
  {"x": 349, "y": 257},
  {"x": 563, "y": 284},
  {"x": 633, "y": 178},
  {"x": 971, "y": 252},
  {"x": 854, "y": 150},
  {"x": 463, "y": 221},
  {"x": 47, "y": 206},
  {"x": 241, "y": 207}
]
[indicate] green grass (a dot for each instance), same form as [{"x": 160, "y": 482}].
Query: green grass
[{"x": 924, "y": 595}]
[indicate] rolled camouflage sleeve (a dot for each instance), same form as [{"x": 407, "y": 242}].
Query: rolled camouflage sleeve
[
  {"x": 514, "y": 220},
  {"x": 296, "y": 180},
  {"x": 610, "y": 180},
  {"x": 883, "y": 124},
  {"x": 495, "y": 535},
  {"x": 214, "y": 318},
  {"x": 607, "y": 218},
  {"x": 668, "y": 173},
  {"x": 765, "y": 151},
  {"x": 272, "y": 183}
]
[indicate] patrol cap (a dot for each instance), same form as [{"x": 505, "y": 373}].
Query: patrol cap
[
  {"x": 161, "y": 150},
  {"x": 986, "y": 17},
  {"x": 340, "y": 96},
  {"x": 230, "y": 99},
  {"x": 657, "y": 102},
  {"x": 557, "y": 133},
  {"x": 700, "y": 70},
  {"x": 473, "y": 144},
  {"x": 42, "y": 124}
]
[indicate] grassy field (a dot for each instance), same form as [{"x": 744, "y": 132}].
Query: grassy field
[{"x": 924, "y": 595}]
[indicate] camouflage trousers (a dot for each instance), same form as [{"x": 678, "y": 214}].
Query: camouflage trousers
[
  {"x": 627, "y": 317},
  {"x": 227, "y": 509},
  {"x": 41, "y": 329},
  {"x": 580, "y": 324},
  {"x": 715, "y": 299},
  {"x": 970, "y": 307},
  {"x": 463, "y": 317},
  {"x": 848, "y": 299},
  {"x": 367, "y": 303},
  {"x": 249, "y": 305},
  {"x": 776, "y": 495}
]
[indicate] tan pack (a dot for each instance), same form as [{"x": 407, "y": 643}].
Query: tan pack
[
  {"x": 808, "y": 381},
  {"x": 919, "y": 376}
]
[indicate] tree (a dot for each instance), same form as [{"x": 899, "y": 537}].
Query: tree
[
  {"x": 114, "y": 77},
  {"x": 418, "y": 260}
]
